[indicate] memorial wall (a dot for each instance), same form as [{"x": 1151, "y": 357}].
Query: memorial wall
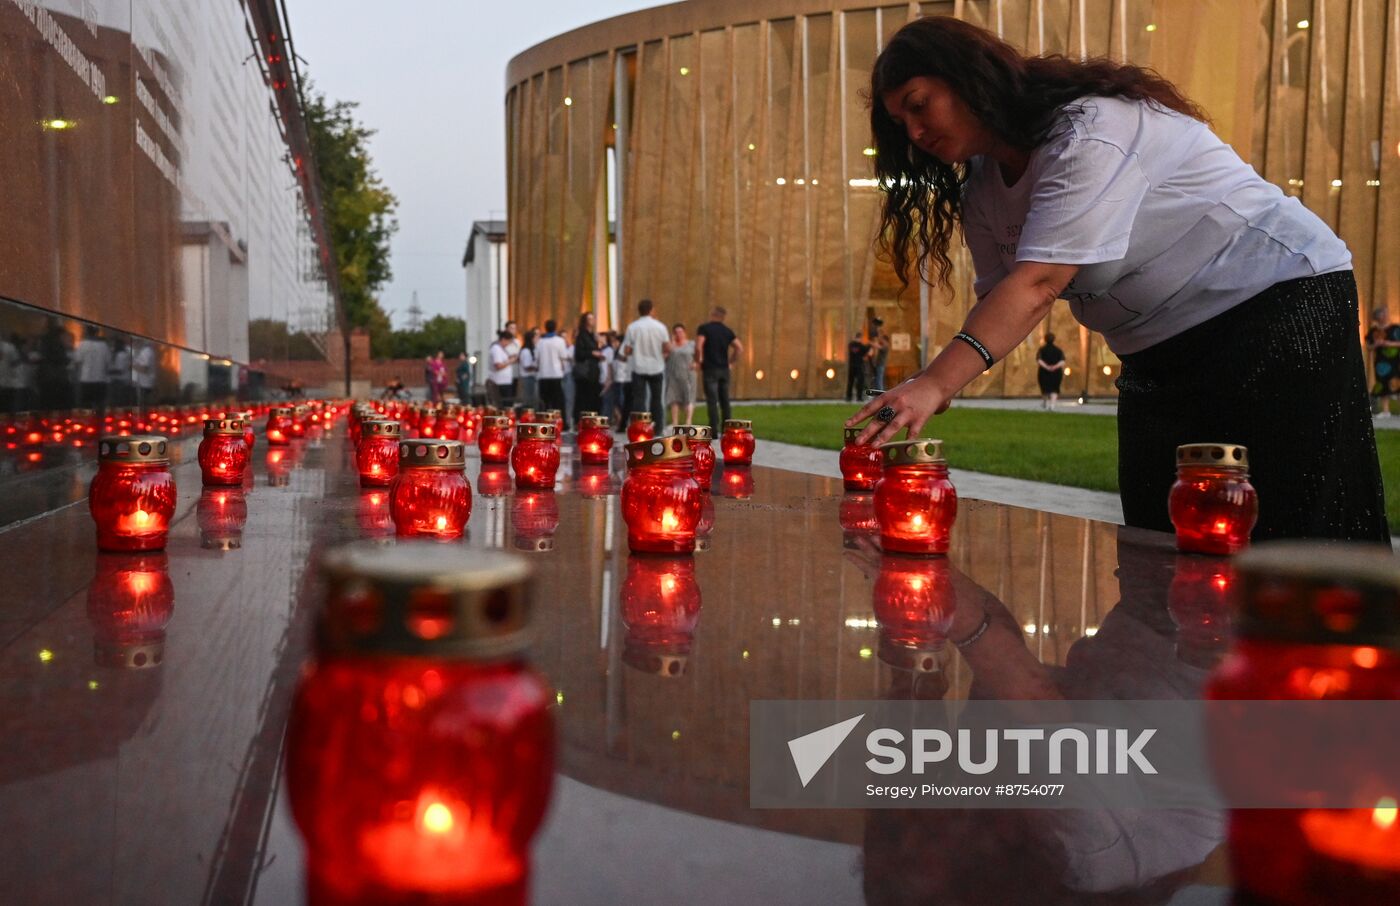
[{"x": 149, "y": 203}]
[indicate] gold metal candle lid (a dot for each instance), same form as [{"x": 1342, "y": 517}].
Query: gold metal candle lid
[
  {"x": 495, "y": 421},
  {"x": 142, "y": 448},
  {"x": 301, "y": 409},
  {"x": 658, "y": 450},
  {"x": 738, "y": 424},
  {"x": 534, "y": 431},
  {"x": 420, "y": 599},
  {"x": 282, "y": 411},
  {"x": 223, "y": 426},
  {"x": 909, "y": 452},
  {"x": 593, "y": 421},
  {"x": 1217, "y": 456},
  {"x": 694, "y": 432},
  {"x": 140, "y": 654},
  {"x": 433, "y": 454},
  {"x": 382, "y": 427},
  {"x": 587, "y": 413},
  {"x": 916, "y": 658},
  {"x": 853, "y": 433},
  {"x": 1324, "y": 593},
  {"x": 552, "y": 415},
  {"x": 639, "y": 417}
]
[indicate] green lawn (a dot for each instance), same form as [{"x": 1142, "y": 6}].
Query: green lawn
[{"x": 1061, "y": 448}]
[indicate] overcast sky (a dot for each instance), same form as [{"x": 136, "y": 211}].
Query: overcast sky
[{"x": 430, "y": 78}]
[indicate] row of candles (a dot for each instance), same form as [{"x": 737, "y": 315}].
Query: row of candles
[
  {"x": 663, "y": 497},
  {"x": 132, "y": 496},
  {"x": 1212, "y": 505}
]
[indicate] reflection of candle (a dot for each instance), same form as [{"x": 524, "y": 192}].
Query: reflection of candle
[{"x": 1363, "y": 836}]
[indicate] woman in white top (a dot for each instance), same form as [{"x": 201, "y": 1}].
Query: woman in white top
[
  {"x": 529, "y": 369},
  {"x": 1232, "y": 307}
]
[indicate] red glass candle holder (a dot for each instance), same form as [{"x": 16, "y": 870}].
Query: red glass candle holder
[
  {"x": 129, "y": 603},
  {"x": 494, "y": 480},
  {"x": 223, "y": 453},
  {"x": 737, "y": 442},
  {"x": 915, "y": 502},
  {"x": 471, "y": 426},
  {"x": 736, "y": 482},
  {"x": 660, "y": 610},
  {"x": 551, "y": 417},
  {"x": 449, "y": 423},
  {"x": 595, "y": 441},
  {"x": 420, "y": 750},
  {"x": 221, "y": 514},
  {"x": 299, "y": 421},
  {"x": 860, "y": 463},
  {"x": 279, "y": 426},
  {"x": 914, "y": 605},
  {"x": 699, "y": 437},
  {"x": 858, "y": 520},
  {"x": 132, "y": 496},
  {"x": 372, "y": 514},
  {"x": 1212, "y": 504},
  {"x": 535, "y": 456},
  {"x": 1313, "y": 622},
  {"x": 249, "y": 437},
  {"x": 640, "y": 427},
  {"x": 430, "y": 497},
  {"x": 1199, "y": 601},
  {"x": 534, "y": 518},
  {"x": 377, "y": 454},
  {"x": 495, "y": 439},
  {"x": 661, "y": 501}
]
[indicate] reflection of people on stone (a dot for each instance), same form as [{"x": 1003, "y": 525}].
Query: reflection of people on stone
[
  {"x": 120, "y": 391},
  {"x": 1002, "y": 856},
  {"x": 144, "y": 369},
  {"x": 54, "y": 360},
  {"x": 93, "y": 359},
  {"x": 14, "y": 374}
]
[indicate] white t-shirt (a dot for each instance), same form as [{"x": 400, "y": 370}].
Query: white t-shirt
[
  {"x": 513, "y": 348},
  {"x": 499, "y": 356},
  {"x": 528, "y": 365},
  {"x": 145, "y": 367},
  {"x": 552, "y": 353},
  {"x": 92, "y": 357},
  {"x": 621, "y": 368},
  {"x": 646, "y": 336},
  {"x": 1170, "y": 228}
]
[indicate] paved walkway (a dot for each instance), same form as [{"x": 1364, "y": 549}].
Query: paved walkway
[
  {"x": 1052, "y": 498},
  {"x": 1105, "y": 406}
]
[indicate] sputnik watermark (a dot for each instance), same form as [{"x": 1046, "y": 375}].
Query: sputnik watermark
[{"x": 1166, "y": 754}]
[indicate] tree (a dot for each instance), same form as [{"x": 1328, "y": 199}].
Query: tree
[
  {"x": 359, "y": 211},
  {"x": 271, "y": 339},
  {"x": 438, "y": 332}
]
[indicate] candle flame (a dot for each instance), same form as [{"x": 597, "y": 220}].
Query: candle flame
[
  {"x": 1365, "y": 658},
  {"x": 437, "y": 819},
  {"x": 916, "y": 584},
  {"x": 669, "y": 522},
  {"x": 140, "y": 518},
  {"x": 668, "y": 585},
  {"x": 375, "y": 500},
  {"x": 1384, "y": 814},
  {"x": 141, "y": 583},
  {"x": 918, "y": 520},
  {"x": 1222, "y": 526},
  {"x": 374, "y": 469},
  {"x": 441, "y": 523}
]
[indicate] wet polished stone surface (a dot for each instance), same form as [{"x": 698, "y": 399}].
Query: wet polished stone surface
[{"x": 160, "y": 782}]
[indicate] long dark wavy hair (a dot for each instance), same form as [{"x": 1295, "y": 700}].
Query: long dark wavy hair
[{"x": 1018, "y": 98}]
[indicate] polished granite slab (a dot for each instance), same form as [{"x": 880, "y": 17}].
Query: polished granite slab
[{"x": 160, "y": 783}]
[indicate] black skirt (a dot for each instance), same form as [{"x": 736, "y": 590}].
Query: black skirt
[
  {"x": 1049, "y": 380},
  {"x": 1281, "y": 373}
]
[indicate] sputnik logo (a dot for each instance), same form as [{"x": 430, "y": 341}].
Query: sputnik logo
[{"x": 811, "y": 752}]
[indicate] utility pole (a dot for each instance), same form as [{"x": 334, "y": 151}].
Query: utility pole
[{"x": 415, "y": 314}]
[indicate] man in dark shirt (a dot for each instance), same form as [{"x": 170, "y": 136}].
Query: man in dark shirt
[
  {"x": 716, "y": 347},
  {"x": 857, "y": 352}
]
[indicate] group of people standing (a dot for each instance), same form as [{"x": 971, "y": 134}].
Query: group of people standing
[
  {"x": 866, "y": 361},
  {"x": 52, "y": 372},
  {"x": 645, "y": 368}
]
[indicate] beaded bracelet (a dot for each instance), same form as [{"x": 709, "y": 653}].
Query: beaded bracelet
[{"x": 976, "y": 344}]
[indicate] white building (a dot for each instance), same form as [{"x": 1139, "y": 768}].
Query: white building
[{"x": 485, "y": 262}]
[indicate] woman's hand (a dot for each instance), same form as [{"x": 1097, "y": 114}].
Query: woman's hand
[{"x": 914, "y": 402}]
